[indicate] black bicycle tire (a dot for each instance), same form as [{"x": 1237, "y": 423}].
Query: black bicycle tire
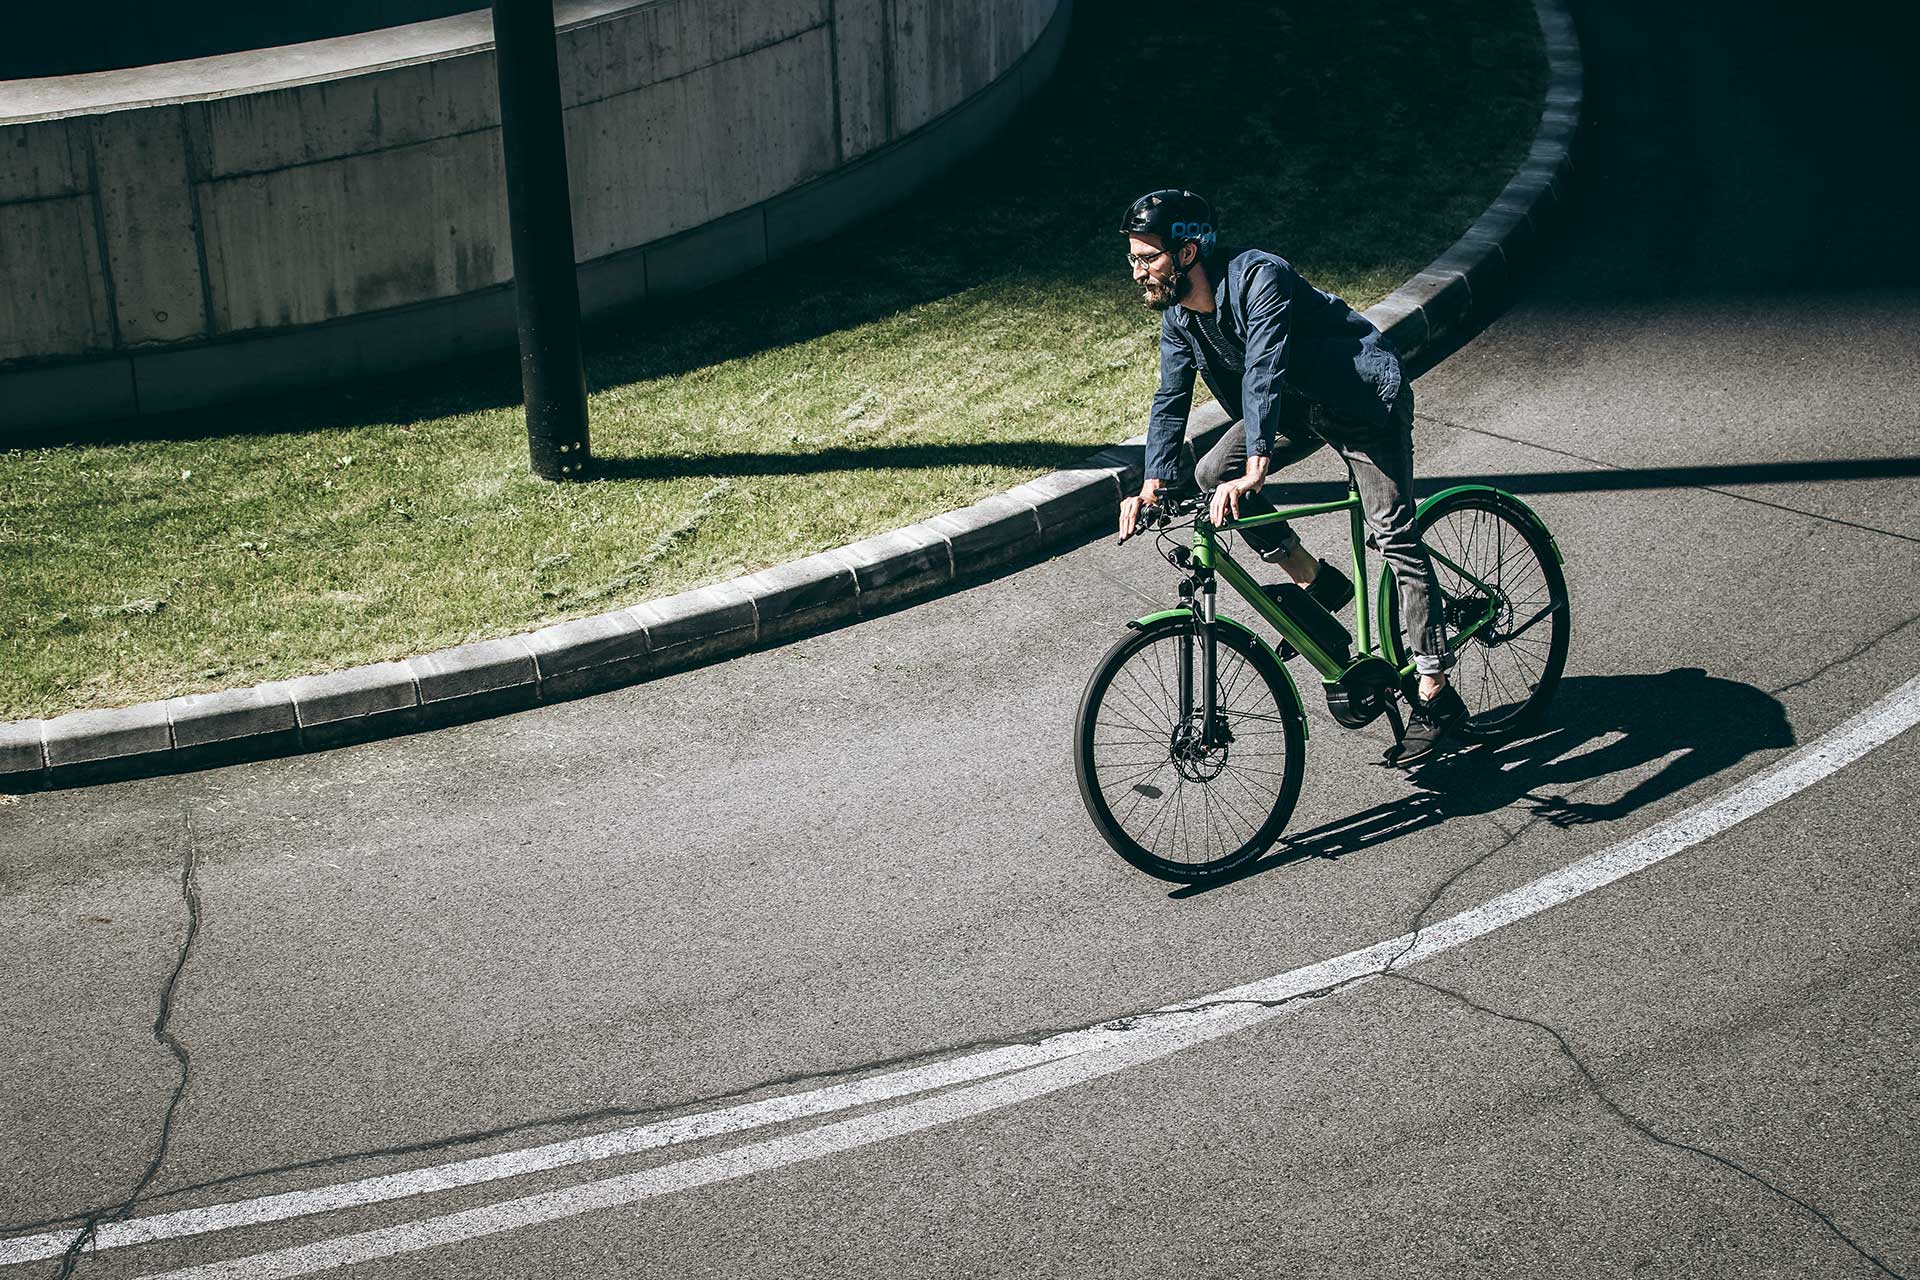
[
  {"x": 1540, "y": 543},
  {"x": 1286, "y": 698}
]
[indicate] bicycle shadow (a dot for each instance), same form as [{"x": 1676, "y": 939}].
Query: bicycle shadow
[{"x": 1693, "y": 724}]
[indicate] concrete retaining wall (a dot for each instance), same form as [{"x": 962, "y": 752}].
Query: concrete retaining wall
[
  {"x": 178, "y": 235},
  {"x": 63, "y": 40}
]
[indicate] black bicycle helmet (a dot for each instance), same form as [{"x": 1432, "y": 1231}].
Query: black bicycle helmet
[{"x": 1177, "y": 217}]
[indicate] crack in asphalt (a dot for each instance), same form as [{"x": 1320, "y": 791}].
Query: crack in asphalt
[
  {"x": 1413, "y": 930},
  {"x": 1845, "y": 658},
  {"x": 190, "y": 891},
  {"x": 1124, "y": 585},
  {"x": 1647, "y": 1131},
  {"x": 89, "y": 1218},
  {"x": 1703, "y": 488},
  {"x": 1419, "y": 922}
]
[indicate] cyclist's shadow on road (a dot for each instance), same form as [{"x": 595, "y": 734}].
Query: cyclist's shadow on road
[{"x": 1691, "y": 724}]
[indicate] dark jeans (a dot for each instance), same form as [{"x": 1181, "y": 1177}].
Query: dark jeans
[{"x": 1382, "y": 465}]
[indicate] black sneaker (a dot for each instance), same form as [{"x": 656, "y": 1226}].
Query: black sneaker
[
  {"x": 1428, "y": 725},
  {"x": 1332, "y": 588}
]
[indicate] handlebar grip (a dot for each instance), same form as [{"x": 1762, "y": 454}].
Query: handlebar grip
[{"x": 1152, "y": 516}]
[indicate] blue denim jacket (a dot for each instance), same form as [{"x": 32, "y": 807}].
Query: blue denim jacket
[{"x": 1273, "y": 333}]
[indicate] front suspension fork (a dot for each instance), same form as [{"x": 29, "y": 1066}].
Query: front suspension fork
[{"x": 1205, "y": 655}]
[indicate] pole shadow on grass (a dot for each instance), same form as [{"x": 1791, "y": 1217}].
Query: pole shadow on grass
[
  {"x": 1050, "y": 454},
  {"x": 1692, "y": 724},
  {"x": 1056, "y": 455}
]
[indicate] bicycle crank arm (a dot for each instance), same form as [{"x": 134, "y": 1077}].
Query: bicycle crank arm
[{"x": 1399, "y": 725}]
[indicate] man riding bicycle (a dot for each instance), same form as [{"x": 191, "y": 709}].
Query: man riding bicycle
[{"x": 1260, "y": 335}]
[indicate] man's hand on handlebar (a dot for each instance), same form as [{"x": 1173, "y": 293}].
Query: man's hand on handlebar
[
  {"x": 1226, "y": 498},
  {"x": 1130, "y": 508}
]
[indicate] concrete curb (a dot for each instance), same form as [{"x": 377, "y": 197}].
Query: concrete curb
[{"x": 871, "y": 576}]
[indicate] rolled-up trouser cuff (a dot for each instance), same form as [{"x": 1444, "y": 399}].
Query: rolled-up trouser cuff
[
  {"x": 1289, "y": 540},
  {"x": 1429, "y": 664}
]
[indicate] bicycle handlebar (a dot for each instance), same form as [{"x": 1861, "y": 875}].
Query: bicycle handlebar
[{"x": 1156, "y": 515}]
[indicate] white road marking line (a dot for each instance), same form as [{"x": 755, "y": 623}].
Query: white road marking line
[
  {"x": 1061, "y": 1061},
  {"x": 632, "y": 1188},
  {"x": 513, "y": 1164}
]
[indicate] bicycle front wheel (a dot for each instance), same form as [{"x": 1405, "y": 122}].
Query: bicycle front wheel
[
  {"x": 1174, "y": 801},
  {"x": 1494, "y": 560}
]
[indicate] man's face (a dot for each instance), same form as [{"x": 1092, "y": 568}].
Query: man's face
[{"x": 1153, "y": 270}]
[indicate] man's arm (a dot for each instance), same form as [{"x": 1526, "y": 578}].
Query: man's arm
[
  {"x": 1268, "y": 348},
  {"x": 1260, "y": 386},
  {"x": 1166, "y": 426}
]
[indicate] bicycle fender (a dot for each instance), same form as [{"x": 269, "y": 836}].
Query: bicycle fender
[
  {"x": 1390, "y": 645},
  {"x": 1154, "y": 619},
  {"x": 1141, "y": 624},
  {"x": 1513, "y": 498}
]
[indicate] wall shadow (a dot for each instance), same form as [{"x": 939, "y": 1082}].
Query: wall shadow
[
  {"x": 1694, "y": 724},
  {"x": 1037, "y": 209},
  {"x": 1698, "y": 180},
  {"x": 1699, "y": 184},
  {"x": 1702, "y": 180},
  {"x": 108, "y": 35}
]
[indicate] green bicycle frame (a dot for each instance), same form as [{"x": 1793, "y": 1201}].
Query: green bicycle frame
[{"x": 1209, "y": 554}]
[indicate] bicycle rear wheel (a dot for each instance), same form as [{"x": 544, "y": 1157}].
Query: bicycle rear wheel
[
  {"x": 1164, "y": 801},
  {"x": 1508, "y": 671}
]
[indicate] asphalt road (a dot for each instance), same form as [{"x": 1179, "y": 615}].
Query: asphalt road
[{"x": 864, "y": 851}]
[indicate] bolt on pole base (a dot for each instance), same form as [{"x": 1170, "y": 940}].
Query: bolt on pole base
[{"x": 540, "y": 209}]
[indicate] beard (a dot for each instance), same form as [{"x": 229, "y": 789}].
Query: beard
[{"x": 1158, "y": 294}]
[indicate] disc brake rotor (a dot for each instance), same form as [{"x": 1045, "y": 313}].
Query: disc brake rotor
[{"x": 1196, "y": 761}]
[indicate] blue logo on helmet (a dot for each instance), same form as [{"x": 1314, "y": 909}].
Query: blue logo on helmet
[{"x": 1201, "y": 231}]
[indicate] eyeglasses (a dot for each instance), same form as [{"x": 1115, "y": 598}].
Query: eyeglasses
[{"x": 1138, "y": 261}]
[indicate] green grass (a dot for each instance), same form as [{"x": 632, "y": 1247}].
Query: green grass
[{"x": 980, "y": 335}]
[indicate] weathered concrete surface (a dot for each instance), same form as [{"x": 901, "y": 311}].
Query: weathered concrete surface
[
  {"x": 255, "y": 204},
  {"x": 66, "y": 40}
]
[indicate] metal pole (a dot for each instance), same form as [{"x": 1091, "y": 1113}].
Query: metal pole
[{"x": 540, "y": 209}]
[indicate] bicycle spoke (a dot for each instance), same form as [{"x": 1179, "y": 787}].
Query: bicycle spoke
[
  {"x": 1139, "y": 797},
  {"x": 1234, "y": 809},
  {"x": 1249, "y": 768},
  {"x": 1185, "y": 804},
  {"x": 1132, "y": 781},
  {"x": 1164, "y": 810},
  {"x": 1206, "y": 820},
  {"x": 1230, "y": 688},
  {"x": 1263, "y": 803},
  {"x": 1130, "y": 735},
  {"x": 1167, "y": 702},
  {"x": 1180, "y": 814},
  {"x": 1150, "y": 733},
  {"x": 1147, "y": 709}
]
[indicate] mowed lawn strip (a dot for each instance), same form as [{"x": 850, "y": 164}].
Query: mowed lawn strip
[{"x": 981, "y": 334}]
